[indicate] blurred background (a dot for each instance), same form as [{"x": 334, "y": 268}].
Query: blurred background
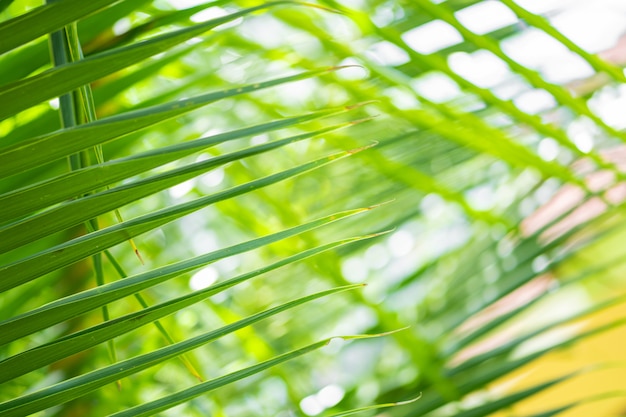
[{"x": 498, "y": 129}]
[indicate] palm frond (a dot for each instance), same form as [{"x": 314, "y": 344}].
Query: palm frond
[{"x": 222, "y": 136}]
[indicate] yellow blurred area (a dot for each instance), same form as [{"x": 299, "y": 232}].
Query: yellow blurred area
[{"x": 606, "y": 349}]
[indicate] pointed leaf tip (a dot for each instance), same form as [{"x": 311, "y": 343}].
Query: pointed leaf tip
[
  {"x": 362, "y": 148},
  {"x": 363, "y": 120},
  {"x": 370, "y": 336},
  {"x": 412, "y": 400},
  {"x": 385, "y": 232},
  {"x": 401, "y": 329},
  {"x": 318, "y": 6},
  {"x": 339, "y": 67},
  {"x": 384, "y": 203},
  {"x": 361, "y": 104},
  {"x": 376, "y": 407}
]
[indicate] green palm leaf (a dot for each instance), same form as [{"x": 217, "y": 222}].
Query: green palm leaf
[{"x": 211, "y": 137}]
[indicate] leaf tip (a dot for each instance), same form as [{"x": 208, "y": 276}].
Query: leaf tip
[
  {"x": 412, "y": 400},
  {"x": 320, "y": 7},
  {"x": 361, "y": 104},
  {"x": 384, "y": 203},
  {"x": 339, "y": 67},
  {"x": 362, "y": 148},
  {"x": 363, "y": 120}
]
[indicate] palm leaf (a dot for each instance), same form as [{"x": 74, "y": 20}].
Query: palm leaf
[{"x": 216, "y": 131}]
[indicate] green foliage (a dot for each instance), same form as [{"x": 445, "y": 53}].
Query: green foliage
[{"x": 237, "y": 150}]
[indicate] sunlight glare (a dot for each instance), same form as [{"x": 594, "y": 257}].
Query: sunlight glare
[
  {"x": 203, "y": 278},
  {"x": 485, "y": 17},
  {"x": 432, "y": 37}
]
